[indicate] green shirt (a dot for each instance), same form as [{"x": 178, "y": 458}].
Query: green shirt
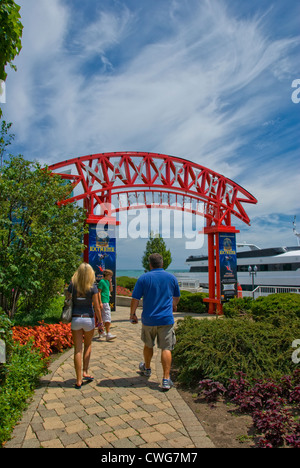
[{"x": 104, "y": 289}]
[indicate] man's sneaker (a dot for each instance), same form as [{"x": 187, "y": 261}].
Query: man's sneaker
[
  {"x": 144, "y": 371},
  {"x": 167, "y": 384},
  {"x": 110, "y": 337}
]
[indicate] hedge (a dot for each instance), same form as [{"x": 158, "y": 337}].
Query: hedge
[
  {"x": 262, "y": 308},
  {"x": 218, "y": 348},
  {"x": 22, "y": 375},
  {"x": 192, "y": 302}
]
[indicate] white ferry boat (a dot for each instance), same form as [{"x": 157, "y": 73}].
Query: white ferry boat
[{"x": 276, "y": 267}]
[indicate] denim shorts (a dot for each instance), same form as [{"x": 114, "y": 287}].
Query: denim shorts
[
  {"x": 86, "y": 324},
  {"x": 165, "y": 335}
]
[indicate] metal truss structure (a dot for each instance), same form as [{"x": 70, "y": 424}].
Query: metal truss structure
[
  {"x": 133, "y": 179},
  {"x": 108, "y": 183}
]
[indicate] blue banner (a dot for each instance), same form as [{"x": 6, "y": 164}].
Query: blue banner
[
  {"x": 102, "y": 254},
  {"x": 228, "y": 265}
]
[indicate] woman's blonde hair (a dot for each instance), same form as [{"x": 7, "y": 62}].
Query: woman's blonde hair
[{"x": 83, "y": 279}]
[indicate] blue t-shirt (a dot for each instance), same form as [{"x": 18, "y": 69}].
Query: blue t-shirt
[{"x": 157, "y": 287}]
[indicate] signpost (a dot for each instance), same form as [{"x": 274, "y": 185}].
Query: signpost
[
  {"x": 102, "y": 254},
  {"x": 228, "y": 265}
]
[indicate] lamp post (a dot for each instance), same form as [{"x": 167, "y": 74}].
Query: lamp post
[{"x": 252, "y": 272}]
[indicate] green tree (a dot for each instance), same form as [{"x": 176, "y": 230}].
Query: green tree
[
  {"x": 5, "y": 140},
  {"x": 156, "y": 244},
  {"x": 11, "y": 30},
  {"x": 40, "y": 240}
]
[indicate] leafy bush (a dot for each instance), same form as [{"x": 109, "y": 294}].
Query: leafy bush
[
  {"x": 256, "y": 345},
  {"x": 264, "y": 307},
  {"x": 49, "y": 314},
  {"x": 237, "y": 306},
  {"x": 22, "y": 374},
  {"x": 192, "y": 302},
  {"x": 273, "y": 407},
  {"x": 287, "y": 305},
  {"x": 271, "y": 404},
  {"x": 6, "y": 337},
  {"x": 217, "y": 349},
  {"x": 126, "y": 282}
]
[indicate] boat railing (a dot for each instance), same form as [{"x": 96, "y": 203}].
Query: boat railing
[
  {"x": 188, "y": 284},
  {"x": 267, "y": 290}
]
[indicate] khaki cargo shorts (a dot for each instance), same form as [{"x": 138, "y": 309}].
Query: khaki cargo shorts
[{"x": 165, "y": 335}]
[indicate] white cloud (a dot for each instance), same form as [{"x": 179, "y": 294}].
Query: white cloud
[
  {"x": 102, "y": 34},
  {"x": 170, "y": 97},
  {"x": 45, "y": 26},
  {"x": 196, "y": 91}
]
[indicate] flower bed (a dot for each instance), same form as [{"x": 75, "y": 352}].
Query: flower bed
[
  {"x": 121, "y": 291},
  {"x": 48, "y": 339}
]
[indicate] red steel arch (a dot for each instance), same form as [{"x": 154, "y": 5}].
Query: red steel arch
[
  {"x": 111, "y": 182},
  {"x": 101, "y": 180}
]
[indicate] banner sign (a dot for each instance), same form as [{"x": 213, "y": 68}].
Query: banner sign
[
  {"x": 228, "y": 265},
  {"x": 102, "y": 254}
]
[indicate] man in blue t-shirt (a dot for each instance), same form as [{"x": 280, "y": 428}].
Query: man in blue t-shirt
[{"x": 161, "y": 294}]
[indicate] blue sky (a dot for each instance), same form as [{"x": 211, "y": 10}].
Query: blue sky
[{"x": 205, "y": 80}]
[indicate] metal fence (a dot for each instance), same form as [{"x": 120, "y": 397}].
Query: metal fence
[{"x": 267, "y": 290}]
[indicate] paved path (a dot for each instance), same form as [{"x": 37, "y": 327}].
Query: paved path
[{"x": 119, "y": 409}]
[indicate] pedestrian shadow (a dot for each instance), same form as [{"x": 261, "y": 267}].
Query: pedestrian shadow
[
  {"x": 130, "y": 382},
  {"x": 69, "y": 383}
]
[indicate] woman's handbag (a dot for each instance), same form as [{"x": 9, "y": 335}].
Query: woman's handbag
[{"x": 66, "y": 316}]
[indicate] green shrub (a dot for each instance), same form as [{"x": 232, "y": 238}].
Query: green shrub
[
  {"x": 49, "y": 314},
  {"x": 264, "y": 307},
  {"x": 192, "y": 302},
  {"x": 287, "y": 305},
  {"x": 218, "y": 348},
  {"x": 126, "y": 282},
  {"x": 22, "y": 374},
  {"x": 237, "y": 306},
  {"x": 6, "y": 337}
]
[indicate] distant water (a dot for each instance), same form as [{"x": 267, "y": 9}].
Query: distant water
[{"x": 138, "y": 273}]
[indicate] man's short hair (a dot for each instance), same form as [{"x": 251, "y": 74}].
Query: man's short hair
[{"x": 156, "y": 260}]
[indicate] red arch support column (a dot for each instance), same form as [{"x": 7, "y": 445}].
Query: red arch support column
[{"x": 214, "y": 275}]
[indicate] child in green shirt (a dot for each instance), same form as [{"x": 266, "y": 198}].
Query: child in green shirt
[{"x": 105, "y": 288}]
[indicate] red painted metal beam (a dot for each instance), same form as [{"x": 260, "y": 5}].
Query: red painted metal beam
[{"x": 100, "y": 176}]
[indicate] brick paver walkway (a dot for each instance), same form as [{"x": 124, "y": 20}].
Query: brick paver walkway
[{"x": 119, "y": 409}]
